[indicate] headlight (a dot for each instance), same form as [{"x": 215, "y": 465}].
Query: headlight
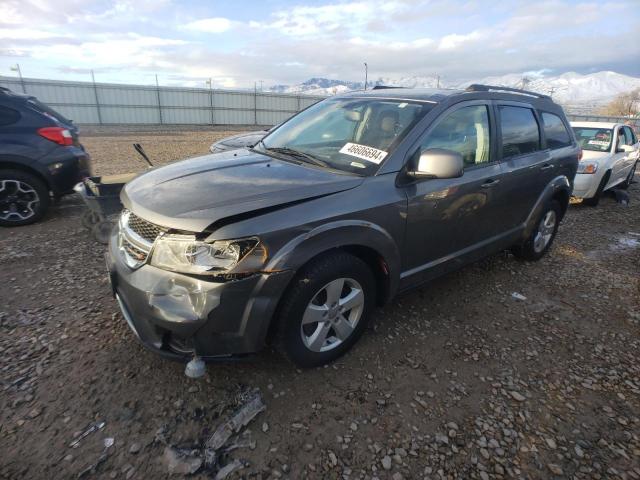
[
  {"x": 183, "y": 253},
  {"x": 587, "y": 167}
]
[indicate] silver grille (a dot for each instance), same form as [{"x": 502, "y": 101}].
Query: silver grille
[
  {"x": 136, "y": 238},
  {"x": 146, "y": 230}
]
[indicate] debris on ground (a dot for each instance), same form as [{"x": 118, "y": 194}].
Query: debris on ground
[
  {"x": 182, "y": 461},
  {"x": 94, "y": 427},
  {"x": 108, "y": 443},
  {"x": 518, "y": 296}
]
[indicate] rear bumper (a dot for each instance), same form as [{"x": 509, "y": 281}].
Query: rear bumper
[
  {"x": 178, "y": 316},
  {"x": 65, "y": 167}
]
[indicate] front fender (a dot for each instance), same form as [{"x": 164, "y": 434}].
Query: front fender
[
  {"x": 559, "y": 184},
  {"x": 340, "y": 234}
]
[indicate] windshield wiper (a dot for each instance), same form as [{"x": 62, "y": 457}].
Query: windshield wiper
[{"x": 298, "y": 154}]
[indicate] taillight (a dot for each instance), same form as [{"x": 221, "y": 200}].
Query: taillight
[
  {"x": 58, "y": 135},
  {"x": 580, "y": 153}
]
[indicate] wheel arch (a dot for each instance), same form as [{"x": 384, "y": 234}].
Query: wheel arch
[
  {"x": 12, "y": 164},
  {"x": 364, "y": 240},
  {"x": 559, "y": 188}
]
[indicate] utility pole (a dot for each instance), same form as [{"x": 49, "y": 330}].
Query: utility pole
[
  {"x": 438, "y": 80},
  {"x": 366, "y": 73},
  {"x": 16, "y": 68},
  {"x": 95, "y": 93},
  {"x": 261, "y": 85}
]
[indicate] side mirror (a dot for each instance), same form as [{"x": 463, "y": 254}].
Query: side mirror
[
  {"x": 438, "y": 163},
  {"x": 624, "y": 148}
]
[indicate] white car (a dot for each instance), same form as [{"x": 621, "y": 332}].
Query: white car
[{"x": 610, "y": 153}]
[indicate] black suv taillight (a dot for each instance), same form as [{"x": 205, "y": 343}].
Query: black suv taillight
[{"x": 58, "y": 135}]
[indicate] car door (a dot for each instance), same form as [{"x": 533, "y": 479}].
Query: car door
[
  {"x": 632, "y": 157},
  {"x": 618, "y": 157},
  {"x": 528, "y": 167},
  {"x": 447, "y": 218}
]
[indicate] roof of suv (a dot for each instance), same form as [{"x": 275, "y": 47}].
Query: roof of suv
[{"x": 438, "y": 95}]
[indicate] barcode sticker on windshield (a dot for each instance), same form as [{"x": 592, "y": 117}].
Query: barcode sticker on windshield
[
  {"x": 362, "y": 151},
  {"x": 598, "y": 142}
]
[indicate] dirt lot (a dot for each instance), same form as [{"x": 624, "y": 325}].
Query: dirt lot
[{"x": 458, "y": 379}]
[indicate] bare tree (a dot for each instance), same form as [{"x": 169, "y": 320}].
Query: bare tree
[{"x": 625, "y": 104}]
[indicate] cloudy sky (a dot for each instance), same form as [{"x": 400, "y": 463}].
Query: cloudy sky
[{"x": 276, "y": 41}]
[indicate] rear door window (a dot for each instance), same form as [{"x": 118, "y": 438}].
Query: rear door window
[
  {"x": 555, "y": 131},
  {"x": 520, "y": 132},
  {"x": 8, "y": 116},
  {"x": 48, "y": 111}
]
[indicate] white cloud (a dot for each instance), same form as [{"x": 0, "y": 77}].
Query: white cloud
[
  {"x": 453, "y": 41},
  {"x": 210, "y": 25}
]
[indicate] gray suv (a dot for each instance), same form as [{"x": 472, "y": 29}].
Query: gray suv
[{"x": 358, "y": 197}]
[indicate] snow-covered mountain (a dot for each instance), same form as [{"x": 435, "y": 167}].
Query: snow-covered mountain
[{"x": 571, "y": 89}]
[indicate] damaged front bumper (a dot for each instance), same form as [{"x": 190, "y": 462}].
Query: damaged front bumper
[{"x": 180, "y": 316}]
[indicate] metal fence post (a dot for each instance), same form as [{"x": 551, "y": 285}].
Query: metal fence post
[
  {"x": 255, "y": 103},
  {"x": 211, "y": 104},
  {"x": 159, "y": 104},
  {"x": 95, "y": 93}
]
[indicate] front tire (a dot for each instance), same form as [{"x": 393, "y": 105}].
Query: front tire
[
  {"x": 24, "y": 198},
  {"x": 326, "y": 309},
  {"x": 540, "y": 240}
]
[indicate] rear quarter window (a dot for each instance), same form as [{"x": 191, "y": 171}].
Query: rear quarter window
[
  {"x": 520, "y": 132},
  {"x": 8, "y": 116},
  {"x": 555, "y": 131}
]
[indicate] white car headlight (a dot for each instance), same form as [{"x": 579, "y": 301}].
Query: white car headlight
[
  {"x": 587, "y": 167},
  {"x": 185, "y": 254}
]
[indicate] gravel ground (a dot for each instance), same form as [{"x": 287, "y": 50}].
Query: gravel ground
[{"x": 458, "y": 379}]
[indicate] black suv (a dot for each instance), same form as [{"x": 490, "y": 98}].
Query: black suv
[
  {"x": 40, "y": 158},
  {"x": 350, "y": 201}
]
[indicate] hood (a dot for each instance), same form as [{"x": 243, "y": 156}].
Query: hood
[
  {"x": 243, "y": 139},
  {"x": 192, "y": 194},
  {"x": 591, "y": 155}
]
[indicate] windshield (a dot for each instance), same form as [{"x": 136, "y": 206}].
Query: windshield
[
  {"x": 353, "y": 135},
  {"x": 594, "y": 139}
]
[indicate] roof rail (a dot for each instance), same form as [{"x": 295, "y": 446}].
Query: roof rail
[
  {"x": 384, "y": 87},
  {"x": 493, "y": 88}
]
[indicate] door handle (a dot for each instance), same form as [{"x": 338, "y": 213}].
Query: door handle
[
  {"x": 546, "y": 166},
  {"x": 490, "y": 183}
]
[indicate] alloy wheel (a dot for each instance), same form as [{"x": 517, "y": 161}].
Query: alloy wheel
[
  {"x": 545, "y": 231},
  {"x": 18, "y": 200},
  {"x": 332, "y": 315}
]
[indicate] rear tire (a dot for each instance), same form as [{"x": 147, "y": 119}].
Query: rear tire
[
  {"x": 24, "y": 198},
  {"x": 629, "y": 180},
  {"x": 593, "y": 201},
  {"x": 540, "y": 240},
  {"x": 326, "y": 309}
]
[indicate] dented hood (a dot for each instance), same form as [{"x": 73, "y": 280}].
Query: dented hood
[{"x": 193, "y": 194}]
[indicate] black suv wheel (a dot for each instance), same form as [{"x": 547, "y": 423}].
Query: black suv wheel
[
  {"x": 326, "y": 309},
  {"x": 24, "y": 198},
  {"x": 542, "y": 236}
]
